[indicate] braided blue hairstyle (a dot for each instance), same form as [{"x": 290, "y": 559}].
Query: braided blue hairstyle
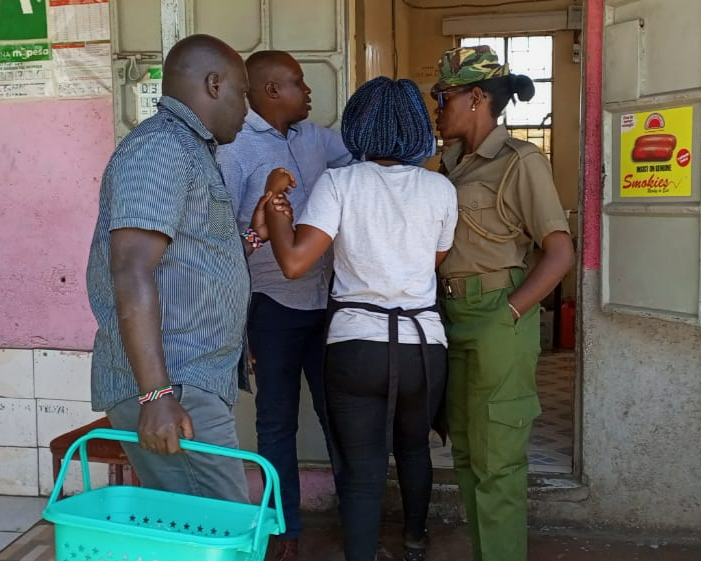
[{"x": 388, "y": 119}]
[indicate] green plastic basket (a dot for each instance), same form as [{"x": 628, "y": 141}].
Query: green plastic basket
[{"x": 124, "y": 523}]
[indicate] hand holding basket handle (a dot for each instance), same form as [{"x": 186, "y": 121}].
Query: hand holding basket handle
[
  {"x": 161, "y": 423},
  {"x": 272, "y": 482}
]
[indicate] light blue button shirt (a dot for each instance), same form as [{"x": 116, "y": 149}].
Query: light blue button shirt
[{"x": 307, "y": 150}]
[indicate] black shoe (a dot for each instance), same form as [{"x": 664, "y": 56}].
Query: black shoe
[{"x": 415, "y": 548}]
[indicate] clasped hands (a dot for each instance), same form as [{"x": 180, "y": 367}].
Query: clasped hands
[{"x": 280, "y": 182}]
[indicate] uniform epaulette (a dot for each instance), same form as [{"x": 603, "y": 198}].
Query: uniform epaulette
[{"x": 521, "y": 147}]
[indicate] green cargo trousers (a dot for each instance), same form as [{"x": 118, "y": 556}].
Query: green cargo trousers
[{"x": 491, "y": 402}]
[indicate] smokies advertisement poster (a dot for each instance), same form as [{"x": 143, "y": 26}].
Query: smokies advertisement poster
[{"x": 656, "y": 153}]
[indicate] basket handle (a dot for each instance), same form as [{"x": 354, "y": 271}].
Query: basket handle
[{"x": 272, "y": 481}]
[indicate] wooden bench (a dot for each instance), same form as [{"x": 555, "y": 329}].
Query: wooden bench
[{"x": 99, "y": 451}]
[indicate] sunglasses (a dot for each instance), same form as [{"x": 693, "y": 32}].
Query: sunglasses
[{"x": 439, "y": 96}]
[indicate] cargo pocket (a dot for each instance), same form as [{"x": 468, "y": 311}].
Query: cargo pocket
[
  {"x": 222, "y": 224},
  {"x": 509, "y": 428}
]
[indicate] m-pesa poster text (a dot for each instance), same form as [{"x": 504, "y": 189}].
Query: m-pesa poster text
[{"x": 656, "y": 153}]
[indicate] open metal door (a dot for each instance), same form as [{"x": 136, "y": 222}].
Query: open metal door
[{"x": 313, "y": 31}]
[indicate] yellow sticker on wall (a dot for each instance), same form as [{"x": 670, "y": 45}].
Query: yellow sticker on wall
[{"x": 656, "y": 153}]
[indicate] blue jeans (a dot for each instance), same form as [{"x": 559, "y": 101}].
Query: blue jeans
[{"x": 285, "y": 342}]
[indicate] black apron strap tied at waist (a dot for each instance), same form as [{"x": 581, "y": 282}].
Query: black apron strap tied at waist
[{"x": 393, "y": 385}]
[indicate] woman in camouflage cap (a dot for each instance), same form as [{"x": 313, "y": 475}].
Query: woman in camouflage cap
[{"x": 507, "y": 202}]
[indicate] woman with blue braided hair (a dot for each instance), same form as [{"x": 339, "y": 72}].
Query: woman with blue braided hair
[{"x": 391, "y": 224}]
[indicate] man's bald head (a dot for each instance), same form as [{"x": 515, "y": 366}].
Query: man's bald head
[
  {"x": 191, "y": 59},
  {"x": 277, "y": 89},
  {"x": 265, "y": 66},
  {"x": 208, "y": 76}
]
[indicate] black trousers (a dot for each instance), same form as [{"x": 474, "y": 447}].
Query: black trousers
[{"x": 356, "y": 383}]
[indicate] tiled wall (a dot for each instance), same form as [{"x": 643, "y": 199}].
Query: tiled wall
[
  {"x": 42, "y": 395},
  {"x": 45, "y": 393}
]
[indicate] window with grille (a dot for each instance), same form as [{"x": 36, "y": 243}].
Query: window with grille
[{"x": 532, "y": 56}]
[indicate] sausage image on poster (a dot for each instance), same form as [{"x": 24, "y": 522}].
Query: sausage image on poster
[{"x": 656, "y": 153}]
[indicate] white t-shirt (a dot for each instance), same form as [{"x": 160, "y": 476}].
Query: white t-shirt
[{"x": 387, "y": 224}]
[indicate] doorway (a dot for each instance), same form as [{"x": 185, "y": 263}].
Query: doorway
[{"x": 550, "y": 121}]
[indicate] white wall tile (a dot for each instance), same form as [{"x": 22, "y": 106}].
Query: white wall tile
[
  {"x": 62, "y": 375},
  {"x": 18, "y": 422},
  {"x": 19, "y": 473},
  {"x": 16, "y": 373},
  {"x": 55, "y": 417},
  {"x": 99, "y": 475}
]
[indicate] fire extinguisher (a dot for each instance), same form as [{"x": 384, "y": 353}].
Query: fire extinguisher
[{"x": 567, "y": 324}]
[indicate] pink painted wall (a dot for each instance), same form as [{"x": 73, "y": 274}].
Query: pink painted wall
[
  {"x": 591, "y": 161},
  {"x": 52, "y": 155}
]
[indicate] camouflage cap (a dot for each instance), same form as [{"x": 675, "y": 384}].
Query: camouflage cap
[{"x": 466, "y": 65}]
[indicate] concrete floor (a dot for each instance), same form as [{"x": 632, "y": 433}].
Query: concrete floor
[
  {"x": 322, "y": 540},
  {"x": 17, "y": 515}
]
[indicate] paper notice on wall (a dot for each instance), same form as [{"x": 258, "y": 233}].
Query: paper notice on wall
[
  {"x": 82, "y": 69},
  {"x": 25, "y": 70},
  {"x": 25, "y": 53},
  {"x": 26, "y": 79},
  {"x": 80, "y": 33},
  {"x": 55, "y": 48},
  {"x": 71, "y": 21}
]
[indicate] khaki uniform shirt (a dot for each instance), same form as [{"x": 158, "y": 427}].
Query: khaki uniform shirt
[{"x": 530, "y": 198}]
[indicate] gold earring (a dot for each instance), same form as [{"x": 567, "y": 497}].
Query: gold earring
[{"x": 473, "y": 108}]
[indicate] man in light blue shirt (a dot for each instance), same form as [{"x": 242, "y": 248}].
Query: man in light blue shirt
[{"x": 286, "y": 317}]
